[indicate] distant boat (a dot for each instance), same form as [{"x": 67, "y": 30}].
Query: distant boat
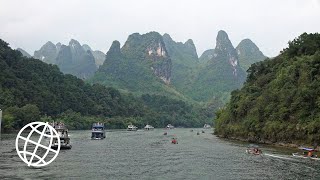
[
  {"x": 174, "y": 141},
  {"x": 63, "y": 134},
  {"x": 206, "y": 126},
  {"x": 307, "y": 153},
  {"x": 165, "y": 133},
  {"x": 253, "y": 149},
  {"x": 198, "y": 133},
  {"x": 169, "y": 126},
  {"x": 98, "y": 131},
  {"x": 148, "y": 127},
  {"x": 132, "y": 128}
]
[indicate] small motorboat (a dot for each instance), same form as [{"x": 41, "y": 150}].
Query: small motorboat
[
  {"x": 307, "y": 153},
  {"x": 174, "y": 141},
  {"x": 198, "y": 133},
  {"x": 166, "y": 133},
  {"x": 202, "y": 131},
  {"x": 253, "y": 149}
]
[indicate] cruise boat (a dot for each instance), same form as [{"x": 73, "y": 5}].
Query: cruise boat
[
  {"x": 63, "y": 134},
  {"x": 169, "y": 126},
  {"x": 132, "y": 128},
  {"x": 206, "y": 126},
  {"x": 98, "y": 131},
  {"x": 148, "y": 127}
]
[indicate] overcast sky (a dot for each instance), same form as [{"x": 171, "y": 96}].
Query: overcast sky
[{"x": 269, "y": 23}]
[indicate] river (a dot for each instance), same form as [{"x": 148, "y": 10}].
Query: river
[{"x": 150, "y": 155}]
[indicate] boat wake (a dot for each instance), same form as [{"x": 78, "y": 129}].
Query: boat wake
[{"x": 280, "y": 157}]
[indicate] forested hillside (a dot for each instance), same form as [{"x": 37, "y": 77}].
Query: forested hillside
[
  {"x": 31, "y": 90},
  {"x": 280, "y": 101}
]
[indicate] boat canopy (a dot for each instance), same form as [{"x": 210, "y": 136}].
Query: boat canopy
[
  {"x": 97, "y": 126},
  {"x": 307, "y": 149}
]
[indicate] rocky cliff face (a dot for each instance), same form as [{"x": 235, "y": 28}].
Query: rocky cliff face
[
  {"x": 150, "y": 47},
  {"x": 249, "y": 53},
  {"x": 225, "y": 52}
]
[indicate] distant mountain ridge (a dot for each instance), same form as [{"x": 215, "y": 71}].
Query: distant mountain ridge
[
  {"x": 151, "y": 63},
  {"x": 71, "y": 59},
  {"x": 154, "y": 63}
]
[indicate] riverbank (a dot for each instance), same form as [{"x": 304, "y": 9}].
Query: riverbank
[{"x": 267, "y": 142}]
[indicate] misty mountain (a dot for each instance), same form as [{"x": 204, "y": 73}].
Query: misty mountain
[
  {"x": 99, "y": 56},
  {"x": 71, "y": 59},
  {"x": 48, "y": 52},
  {"x": 24, "y": 53},
  {"x": 74, "y": 59},
  {"x": 206, "y": 56},
  {"x": 248, "y": 53}
]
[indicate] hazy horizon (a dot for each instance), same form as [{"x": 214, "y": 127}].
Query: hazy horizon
[{"x": 269, "y": 24}]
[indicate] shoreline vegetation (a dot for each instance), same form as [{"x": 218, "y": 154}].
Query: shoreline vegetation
[{"x": 280, "y": 100}]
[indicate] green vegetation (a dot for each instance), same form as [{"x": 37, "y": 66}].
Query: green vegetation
[
  {"x": 280, "y": 101},
  {"x": 184, "y": 63},
  {"x": 31, "y": 90}
]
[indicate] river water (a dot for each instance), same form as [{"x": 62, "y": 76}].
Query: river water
[{"x": 150, "y": 155}]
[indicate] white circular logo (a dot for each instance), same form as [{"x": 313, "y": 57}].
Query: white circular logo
[{"x": 37, "y": 149}]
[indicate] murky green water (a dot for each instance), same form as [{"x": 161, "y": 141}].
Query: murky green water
[{"x": 150, "y": 155}]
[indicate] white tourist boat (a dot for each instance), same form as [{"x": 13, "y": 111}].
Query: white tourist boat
[
  {"x": 148, "y": 127},
  {"x": 169, "y": 126},
  {"x": 132, "y": 128}
]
